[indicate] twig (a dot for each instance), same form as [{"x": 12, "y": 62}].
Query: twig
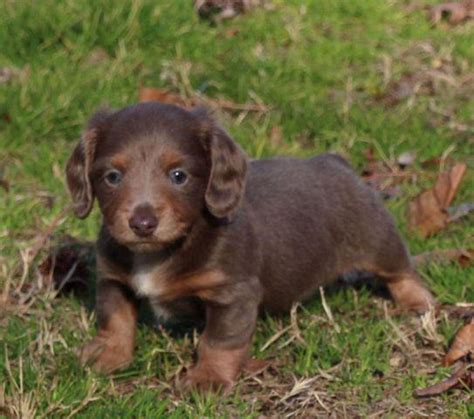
[
  {"x": 328, "y": 311},
  {"x": 444, "y": 385}
]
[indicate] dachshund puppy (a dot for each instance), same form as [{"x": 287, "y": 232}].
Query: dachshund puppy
[{"x": 194, "y": 227}]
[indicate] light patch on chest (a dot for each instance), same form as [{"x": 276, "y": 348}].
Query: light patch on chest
[
  {"x": 148, "y": 282},
  {"x": 153, "y": 281}
]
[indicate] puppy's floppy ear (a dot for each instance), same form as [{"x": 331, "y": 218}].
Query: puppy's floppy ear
[
  {"x": 79, "y": 164},
  {"x": 226, "y": 183}
]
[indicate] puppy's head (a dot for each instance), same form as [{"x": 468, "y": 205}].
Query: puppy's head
[{"x": 154, "y": 170}]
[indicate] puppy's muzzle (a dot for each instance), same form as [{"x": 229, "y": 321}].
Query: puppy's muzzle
[{"x": 143, "y": 221}]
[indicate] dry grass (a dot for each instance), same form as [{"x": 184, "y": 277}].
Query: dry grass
[{"x": 339, "y": 76}]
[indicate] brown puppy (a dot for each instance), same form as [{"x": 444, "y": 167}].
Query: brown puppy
[{"x": 194, "y": 227}]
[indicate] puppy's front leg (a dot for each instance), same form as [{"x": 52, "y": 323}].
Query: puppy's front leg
[
  {"x": 224, "y": 346},
  {"x": 113, "y": 346}
]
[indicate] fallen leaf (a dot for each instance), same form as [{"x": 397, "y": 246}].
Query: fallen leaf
[
  {"x": 151, "y": 94},
  {"x": 448, "y": 183},
  {"x": 6, "y": 118},
  {"x": 409, "y": 85},
  {"x": 463, "y": 256},
  {"x": 456, "y": 12},
  {"x": 382, "y": 177},
  {"x": 217, "y": 10},
  {"x": 434, "y": 73},
  {"x": 461, "y": 378},
  {"x": 399, "y": 90},
  {"x": 436, "y": 162},
  {"x": 68, "y": 265},
  {"x": 461, "y": 348},
  {"x": 463, "y": 344},
  {"x": 460, "y": 310},
  {"x": 427, "y": 211},
  {"x": 231, "y": 32},
  {"x": 4, "y": 184}
]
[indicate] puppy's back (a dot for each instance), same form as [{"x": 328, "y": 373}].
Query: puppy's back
[{"x": 315, "y": 219}]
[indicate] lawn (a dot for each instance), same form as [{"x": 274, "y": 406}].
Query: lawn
[{"x": 347, "y": 76}]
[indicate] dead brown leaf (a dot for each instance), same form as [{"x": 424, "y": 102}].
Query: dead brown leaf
[
  {"x": 463, "y": 344},
  {"x": 4, "y": 184},
  {"x": 217, "y": 10},
  {"x": 427, "y": 70},
  {"x": 407, "y": 86},
  {"x": 381, "y": 176},
  {"x": 436, "y": 162},
  {"x": 462, "y": 256},
  {"x": 427, "y": 211},
  {"x": 68, "y": 265},
  {"x": 461, "y": 348},
  {"x": 151, "y": 94},
  {"x": 231, "y": 32},
  {"x": 459, "y": 310},
  {"x": 6, "y": 118},
  {"x": 448, "y": 184},
  {"x": 461, "y": 378},
  {"x": 455, "y": 12}
]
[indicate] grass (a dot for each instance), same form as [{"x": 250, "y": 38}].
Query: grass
[{"x": 326, "y": 69}]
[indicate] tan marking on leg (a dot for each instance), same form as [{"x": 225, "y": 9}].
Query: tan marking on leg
[
  {"x": 216, "y": 368},
  {"x": 114, "y": 344},
  {"x": 408, "y": 291}
]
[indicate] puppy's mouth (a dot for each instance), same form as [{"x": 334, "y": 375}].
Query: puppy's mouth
[
  {"x": 144, "y": 247},
  {"x": 150, "y": 246},
  {"x": 158, "y": 243},
  {"x": 161, "y": 239}
]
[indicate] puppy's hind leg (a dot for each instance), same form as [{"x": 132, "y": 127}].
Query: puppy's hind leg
[
  {"x": 393, "y": 265},
  {"x": 408, "y": 290}
]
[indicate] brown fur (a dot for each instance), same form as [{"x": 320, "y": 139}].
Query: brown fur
[
  {"x": 113, "y": 346},
  {"x": 232, "y": 239},
  {"x": 217, "y": 368}
]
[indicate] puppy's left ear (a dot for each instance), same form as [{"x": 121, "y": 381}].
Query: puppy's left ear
[{"x": 226, "y": 183}]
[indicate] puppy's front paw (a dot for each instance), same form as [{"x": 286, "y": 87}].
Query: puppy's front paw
[
  {"x": 204, "y": 380},
  {"x": 105, "y": 355}
]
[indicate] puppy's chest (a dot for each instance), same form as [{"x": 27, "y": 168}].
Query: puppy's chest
[
  {"x": 157, "y": 281},
  {"x": 150, "y": 281}
]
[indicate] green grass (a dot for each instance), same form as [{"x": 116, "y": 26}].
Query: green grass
[{"x": 322, "y": 67}]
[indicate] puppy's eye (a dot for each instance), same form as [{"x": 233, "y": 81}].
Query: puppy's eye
[
  {"x": 178, "y": 176},
  {"x": 113, "y": 177}
]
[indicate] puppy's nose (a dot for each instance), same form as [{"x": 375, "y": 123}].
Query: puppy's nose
[{"x": 143, "y": 221}]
